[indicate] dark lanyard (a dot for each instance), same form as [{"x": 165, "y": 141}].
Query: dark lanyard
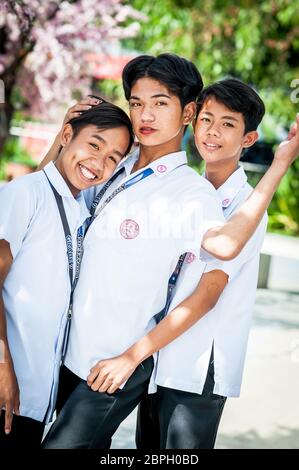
[
  {"x": 171, "y": 285},
  {"x": 74, "y": 276},
  {"x": 127, "y": 184}
]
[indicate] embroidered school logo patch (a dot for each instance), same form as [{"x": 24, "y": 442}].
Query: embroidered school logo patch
[
  {"x": 129, "y": 229},
  {"x": 190, "y": 257},
  {"x": 161, "y": 168}
]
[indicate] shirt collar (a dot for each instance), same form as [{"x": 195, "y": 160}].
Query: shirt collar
[
  {"x": 57, "y": 180},
  {"x": 228, "y": 191},
  {"x": 161, "y": 167},
  {"x": 62, "y": 188}
]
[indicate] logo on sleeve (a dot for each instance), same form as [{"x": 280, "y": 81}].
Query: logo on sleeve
[{"x": 129, "y": 229}]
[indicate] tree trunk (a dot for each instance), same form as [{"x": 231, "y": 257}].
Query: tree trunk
[{"x": 6, "y": 109}]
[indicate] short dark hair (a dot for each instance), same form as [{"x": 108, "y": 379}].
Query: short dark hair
[
  {"x": 104, "y": 116},
  {"x": 238, "y": 97},
  {"x": 178, "y": 74}
]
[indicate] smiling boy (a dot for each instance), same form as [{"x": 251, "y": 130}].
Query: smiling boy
[{"x": 36, "y": 266}]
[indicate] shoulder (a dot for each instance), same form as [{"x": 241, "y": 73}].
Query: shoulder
[
  {"x": 27, "y": 188},
  {"x": 191, "y": 182}
]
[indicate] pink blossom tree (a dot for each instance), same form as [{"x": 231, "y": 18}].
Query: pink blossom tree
[{"x": 43, "y": 49}]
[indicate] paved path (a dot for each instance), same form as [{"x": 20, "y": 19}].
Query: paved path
[{"x": 267, "y": 413}]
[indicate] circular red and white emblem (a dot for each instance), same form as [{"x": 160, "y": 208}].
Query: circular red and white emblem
[
  {"x": 161, "y": 168},
  {"x": 225, "y": 202},
  {"x": 190, "y": 257},
  {"x": 129, "y": 229}
]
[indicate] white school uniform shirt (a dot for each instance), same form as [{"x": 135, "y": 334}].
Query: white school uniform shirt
[
  {"x": 183, "y": 364},
  {"x": 37, "y": 288},
  {"x": 130, "y": 251}
]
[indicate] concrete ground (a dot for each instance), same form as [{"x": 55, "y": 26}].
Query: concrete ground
[{"x": 266, "y": 416}]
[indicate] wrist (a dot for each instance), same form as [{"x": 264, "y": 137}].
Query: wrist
[
  {"x": 280, "y": 167},
  {"x": 135, "y": 355}
]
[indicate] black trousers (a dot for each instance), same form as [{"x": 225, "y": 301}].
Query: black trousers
[
  {"x": 26, "y": 433},
  {"x": 89, "y": 419},
  {"x": 174, "y": 419}
]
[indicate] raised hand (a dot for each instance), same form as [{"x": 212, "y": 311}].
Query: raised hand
[
  {"x": 83, "y": 105},
  {"x": 288, "y": 150}
]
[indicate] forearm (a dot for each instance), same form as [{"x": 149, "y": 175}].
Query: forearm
[
  {"x": 185, "y": 315},
  {"x": 226, "y": 242},
  {"x": 52, "y": 153}
]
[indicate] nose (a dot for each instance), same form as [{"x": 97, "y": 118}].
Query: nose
[
  {"x": 213, "y": 130},
  {"x": 147, "y": 114},
  {"x": 97, "y": 164}
]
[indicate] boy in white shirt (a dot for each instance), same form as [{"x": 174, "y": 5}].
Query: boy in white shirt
[
  {"x": 40, "y": 263},
  {"x": 134, "y": 244},
  {"x": 198, "y": 370}
]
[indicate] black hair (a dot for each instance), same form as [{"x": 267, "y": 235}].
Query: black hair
[
  {"x": 104, "y": 116},
  {"x": 178, "y": 74},
  {"x": 238, "y": 97}
]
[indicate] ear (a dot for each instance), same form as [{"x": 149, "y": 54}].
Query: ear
[
  {"x": 189, "y": 112},
  {"x": 66, "y": 135},
  {"x": 250, "y": 138}
]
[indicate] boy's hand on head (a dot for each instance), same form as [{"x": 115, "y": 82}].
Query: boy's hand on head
[
  {"x": 288, "y": 150},
  {"x": 79, "y": 107},
  {"x": 109, "y": 375},
  {"x": 9, "y": 394}
]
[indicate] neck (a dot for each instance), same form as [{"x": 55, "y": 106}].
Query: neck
[
  {"x": 60, "y": 168},
  {"x": 148, "y": 155},
  {"x": 217, "y": 174}
]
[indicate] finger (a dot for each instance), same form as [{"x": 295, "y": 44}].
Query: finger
[
  {"x": 8, "y": 419},
  {"x": 112, "y": 389},
  {"x": 94, "y": 100},
  {"x": 98, "y": 382},
  {"x": 94, "y": 372},
  {"x": 80, "y": 107},
  {"x": 106, "y": 384},
  {"x": 16, "y": 405}
]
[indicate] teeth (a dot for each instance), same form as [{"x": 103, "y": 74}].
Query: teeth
[
  {"x": 212, "y": 146},
  {"x": 86, "y": 173}
]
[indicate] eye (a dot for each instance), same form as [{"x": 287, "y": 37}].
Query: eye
[
  {"x": 133, "y": 104},
  {"x": 161, "y": 103},
  {"x": 205, "y": 119},
  {"x": 228, "y": 124},
  {"x": 113, "y": 159},
  {"x": 95, "y": 146}
]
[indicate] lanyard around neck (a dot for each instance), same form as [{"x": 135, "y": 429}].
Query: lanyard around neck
[
  {"x": 127, "y": 184},
  {"x": 73, "y": 275}
]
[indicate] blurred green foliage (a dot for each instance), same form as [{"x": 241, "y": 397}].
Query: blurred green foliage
[
  {"x": 258, "y": 42},
  {"x": 14, "y": 152}
]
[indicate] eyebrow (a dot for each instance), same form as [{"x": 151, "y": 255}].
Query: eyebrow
[
  {"x": 158, "y": 95},
  {"x": 105, "y": 142},
  {"x": 222, "y": 117}
]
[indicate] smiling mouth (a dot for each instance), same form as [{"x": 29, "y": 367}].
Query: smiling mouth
[
  {"x": 88, "y": 174},
  {"x": 211, "y": 146}
]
